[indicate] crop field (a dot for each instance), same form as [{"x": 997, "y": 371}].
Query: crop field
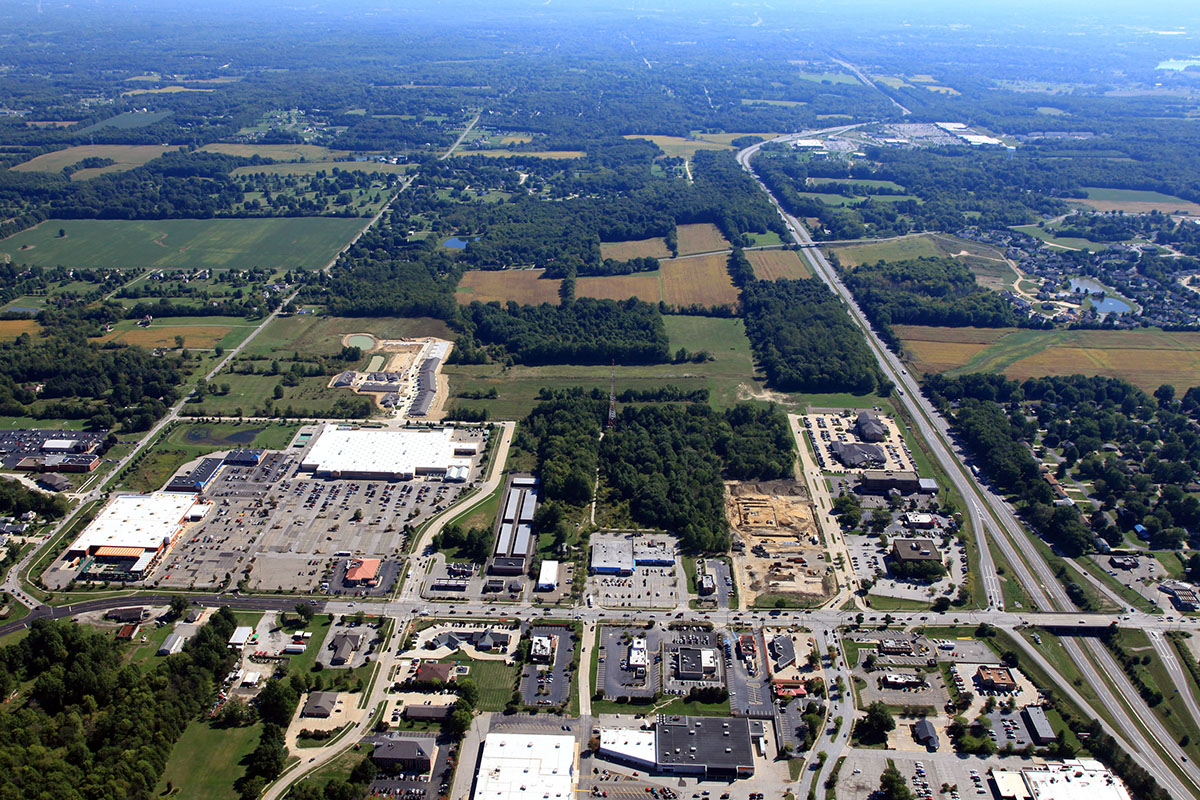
[
  {"x": 525, "y": 286},
  {"x": 700, "y": 238},
  {"x": 553, "y": 154},
  {"x": 636, "y": 248},
  {"x": 278, "y": 152},
  {"x": 727, "y": 376},
  {"x": 281, "y": 243},
  {"x": 128, "y": 121},
  {"x": 1145, "y": 358},
  {"x": 772, "y": 265},
  {"x": 12, "y": 328},
  {"x": 1136, "y": 202},
  {"x": 644, "y": 285},
  {"x": 197, "y": 332},
  {"x": 702, "y": 280},
  {"x": 680, "y": 146},
  {"x": 127, "y": 156},
  {"x": 313, "y": 167}
]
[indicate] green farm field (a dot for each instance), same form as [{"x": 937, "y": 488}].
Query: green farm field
[
  {"x": 127, "y": 156},
  {"x": 294, "y": 242},
  {"x": 1133, "y": 201},
  {"x": 311, "y": 334},
  {"x": 728, "y": 377}
]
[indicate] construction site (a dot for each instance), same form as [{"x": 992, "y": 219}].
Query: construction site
[
  {"x": 777, "y": 548},
  {"x": 403, "y": 376}
]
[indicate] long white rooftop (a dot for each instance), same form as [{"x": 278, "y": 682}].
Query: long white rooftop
[
  {"x": 142, "y": 521},
  {"x": 401, "y": 453}
]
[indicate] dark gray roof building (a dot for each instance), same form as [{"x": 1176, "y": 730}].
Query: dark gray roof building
[
  {"x": 320, "y": 704},
  {"x": 715, "y": 747},
  {"x": 404, "y": 755},
  {"x": 854, "y": 455},
  {"x": 783, "y": 650},
  {"x": 1040, "y": 729},
  {"x": 926, "y": 734},
  {"x": 869, "y": 428}
]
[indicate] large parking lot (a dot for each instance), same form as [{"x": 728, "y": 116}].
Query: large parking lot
[
  {"x": 824, "y": 429},
  {"x": 299, "y": 530},
  {"x": 691, "y": 640},
  {"x": 614, "y": 675},
  {"x": 647, "y": 587},
  {"x": 964, "y": 777}
]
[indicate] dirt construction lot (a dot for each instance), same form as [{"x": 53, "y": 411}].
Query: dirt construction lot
[{"x": 782, "y": 552}]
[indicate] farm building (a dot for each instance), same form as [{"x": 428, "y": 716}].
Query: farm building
[
  {"x": 130, "y": 534},
  {"x": 386, "y": 455}
]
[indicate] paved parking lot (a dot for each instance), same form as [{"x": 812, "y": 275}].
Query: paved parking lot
[
  {"x": 826, "y": 428},
  {"x": 926, "y": 774},
  {"x": 647, "y": 587},
  {"x": 620, "y": 681},
  {"x": 413, "y": 787},
  {"x": 678, "y": 639},
  {"x": 549, "y": 684}
]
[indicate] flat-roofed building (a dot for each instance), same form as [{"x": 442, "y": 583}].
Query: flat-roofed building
[
  {"x": 711, "y": 747},
  {"x": 632, "y": 747},
  {"x": 695, "y": 663},
  {"x": 653, "y": 551},
  {"x": 1040, "y": 729},
  {"x": 638, "y": 657},
  {"x": 198, "y": 477},
  {"x": 915, "y": 519},
  {"x": 906, "y": 551},
  {"x": 547, "y": 576},
  {"x": 405, "y": 755},
  {"x": 429, "y": 713},
  {"x": 382, "y": 454},
  {"x": 612, "y": 556},
  {"x": 541, "y": 649},
  {"x": 129, "y": 535},
  {"x": 996, "y": 679},
  {"x": 880, "y": 480},
  {"x": 522, "y": 766},
  {"x": 1074, "y": 779}
]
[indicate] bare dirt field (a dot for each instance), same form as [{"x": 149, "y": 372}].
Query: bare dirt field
[
  {"x": 775, "y": 522},
  {"x": 521, "y": 285}
]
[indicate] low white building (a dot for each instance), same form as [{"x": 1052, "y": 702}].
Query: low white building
[
  {"x": 547, "y": 576},
  {"x": 1074, "y": 779},
  {"x": 518, "y": 766},
  {"x": 388, "y": 455}
]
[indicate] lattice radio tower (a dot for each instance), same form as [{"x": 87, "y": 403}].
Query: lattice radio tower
[{"x": 612, "y": 396}]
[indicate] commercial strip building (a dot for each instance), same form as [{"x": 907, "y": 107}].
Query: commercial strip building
[
  {"x": 696, "y": 663},
  {"x": 341, "y": 452},
  {"x": 128, "y": 537},
  {"x": 706, "y": 747},
  {"x": 519, "y": 766},
  {"x": 1075, "y": 779},
  {"x": 194, "y": 480},
  {"x": 621, "y": 555}
]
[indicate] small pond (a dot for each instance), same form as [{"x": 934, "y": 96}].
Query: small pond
[
  {"x": 1103, "y": 305},
  {"x": 361, "y": 341},
  {"x": 455, "y": 243}
]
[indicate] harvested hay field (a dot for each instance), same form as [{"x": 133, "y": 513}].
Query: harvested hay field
[
  {"x": 679, "y": 146},
  {"x": 202, "y": 336},
  {"x": 1133, "y": 201},
  {"x": 703, "y": 280},
  {"x": 773, "y": 265},
  {"x": 127, "y": 157},
  {"x": 642, "y": 285},
  {"x": 635, "y": 248},
  {"x": 524, "y": 286},
  {"x": 701, "y": 238},
  {"x": 12, "y": 328},
  {"x": 278, "y": 152}
]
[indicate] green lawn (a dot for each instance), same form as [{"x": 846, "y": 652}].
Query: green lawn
[
  {"x": 191, "y": 440},
  {"x": 145, "y": 654},
  {"x": 1068, "y": 242},
  {"x": 284, "y": 243},
  {"x": 518, "y": 386},
  {"x": 495, "y": 679},
  {"x": 207, "y": 760}
]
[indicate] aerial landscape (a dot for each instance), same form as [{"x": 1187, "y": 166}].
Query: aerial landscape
[{"x": 547, "y": 399}]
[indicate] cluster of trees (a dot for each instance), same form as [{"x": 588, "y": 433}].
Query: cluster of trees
[
  {"x": 668, "y": 461},
  {"x": 918, "y": 570},
  {"x": 563, "y": 430},
  {"x": 874, "y": 726},
  {"x": 1141, "y": 478},
  {"x": 925, "y": 291},
  {"x": 585, "y": 331},
  {"x": 17, "y": 499},
  {"x": 474, "y": 544},
  {"x": 88, "y": 726},
  {"x": 804, "y": 340},
  {"x": 663, "y": 394}
]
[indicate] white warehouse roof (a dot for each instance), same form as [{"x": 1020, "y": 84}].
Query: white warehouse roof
[
  {"x": 548, "y": 574},
  {"x": 629, "y": 746},
  {"x": 518, "y": 766},
  {"x": 142, "y": 521},
  {"x": 400, "y": 453}
]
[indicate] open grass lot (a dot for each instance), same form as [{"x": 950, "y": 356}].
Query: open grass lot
[
  {"x": 127, "y": 156},
  {"x": 636, "y": 248},
  {"x": 898, "y": 249},
  {"x": 525, "y": 286},
  {"x": 1133, "y": 201},
  {"x": 192, "y": 440},
  {"x": 313, "y": 167},
  {"x": 311, "y": 334},
  {"x": 726, "y": 377},
  {"x": 1065, "y": 242},
  {"x": 772, "y": 265},
  {"x": 754, "y": 101},
  {"x": 828, "y": 77},
  {"x": 12, "y": 328},
  {"x": 278, "y": 152},
  {"x": 1146, "y": 358},
  {"x": 282, "y": 243},
  {"x": 174, "y": 89},
  {"x": 495, "y": 679},
  {"x": 991, "y": 269},
  {"x": 207, "y": 760},
  {"x": 700, "y": 238}
]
